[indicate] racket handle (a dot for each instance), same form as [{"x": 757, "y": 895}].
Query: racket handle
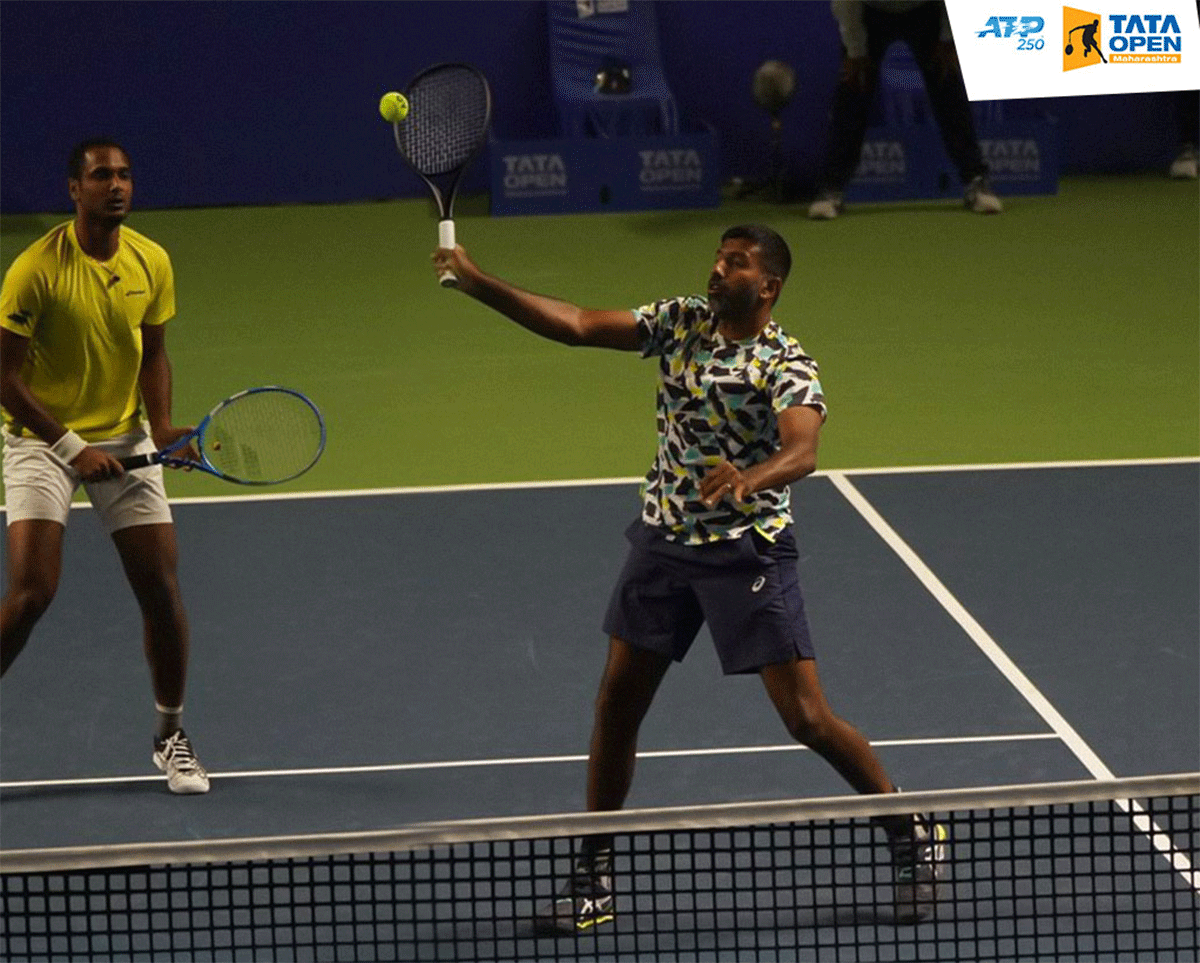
[
  {"x": 136, "y": 461},
  {"x": 446, "y": 278}
]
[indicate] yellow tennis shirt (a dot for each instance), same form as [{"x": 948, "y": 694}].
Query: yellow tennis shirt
[{"x": 84, "y": 320}]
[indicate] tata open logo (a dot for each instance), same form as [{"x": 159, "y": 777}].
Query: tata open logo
[
  {"x": 1139, "y": 37},
  {"x": 671, "y": 170},
  {"x": 1082, "y": 37},
  {"x": 1144, "y": 38},
  {"x": 1127, "y": 38},
  {"x": 882, "y": 162},
  {"x": 534, "y": 175},
  {"x": 1012, "y": 159},
  {"x": 1023, "y": 32}
]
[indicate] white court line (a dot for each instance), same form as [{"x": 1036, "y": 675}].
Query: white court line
[
  {"x": 514, "y": 761},
  {"x": 1019, "y": 681},
  {"x": 597, "y": 482},
  {"x": 1016, "y": 466}
]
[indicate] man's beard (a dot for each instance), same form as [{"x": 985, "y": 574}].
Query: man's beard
[{"x": 733, "y": 303}]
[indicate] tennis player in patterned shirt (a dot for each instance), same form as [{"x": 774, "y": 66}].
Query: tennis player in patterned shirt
[
  {"x": 740, "y": 409},
  {"x": 83, "y": 361}
]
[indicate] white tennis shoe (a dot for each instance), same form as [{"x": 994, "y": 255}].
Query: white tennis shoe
[
  {"x": 175, "y": 757},
  {"x": 1184, "y": 165},
  {"x": 980, "y": 198},
  {"x": 826, "y": 207}
]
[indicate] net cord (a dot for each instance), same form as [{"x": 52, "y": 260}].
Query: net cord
[{"x": 423, "y": 835}]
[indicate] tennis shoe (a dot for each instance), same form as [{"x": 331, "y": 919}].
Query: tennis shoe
[
  {"x": 1184, "y": 165},
  {"x": 826, "y": 207},
  {"x": 175, "y": 757},
  {"x": 584, "y": 902},
  {"x": 980, "y": 198},
  {"x": 919, "y": 864}
]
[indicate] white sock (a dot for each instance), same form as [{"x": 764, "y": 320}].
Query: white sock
[{"x": 168, "y": 721}]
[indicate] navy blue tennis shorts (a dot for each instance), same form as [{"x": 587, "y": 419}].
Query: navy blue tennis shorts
[{"x": 747, "y": 589}]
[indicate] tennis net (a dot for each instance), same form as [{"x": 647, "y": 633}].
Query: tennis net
[{"x": 1063, "y": 871}]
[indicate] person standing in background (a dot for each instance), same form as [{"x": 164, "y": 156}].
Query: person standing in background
[{"x": 868, "y": 28}]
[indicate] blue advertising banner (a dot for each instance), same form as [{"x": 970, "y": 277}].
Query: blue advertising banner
[
  {"x": 909, "y": 162},
  {"x": 590, "y": 175}
]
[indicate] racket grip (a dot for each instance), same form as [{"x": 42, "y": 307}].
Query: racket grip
[
  {"x": 136, "y": 461},
  {"x": 446, "y": 278}
]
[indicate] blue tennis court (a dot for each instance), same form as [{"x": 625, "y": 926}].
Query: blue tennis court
[{"x": 369, "y": 660}]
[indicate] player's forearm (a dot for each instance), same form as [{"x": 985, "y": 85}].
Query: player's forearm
[
  {"x": 154, "y": 382},
  {"x": 15, "y": 396},
  {"x": 27, "y": 411},
  {"x": 781, "y": 469},
  {"x": 545, "y": 316},
  {"x": 787, "y": 465}
]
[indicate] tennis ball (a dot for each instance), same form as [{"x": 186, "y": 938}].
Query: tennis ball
[{"x": 393, "y": 107}]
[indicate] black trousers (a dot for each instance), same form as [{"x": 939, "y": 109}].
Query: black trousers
[
  {"x": 920, "y": 28},
  {"x": 1187, "y": 105}
]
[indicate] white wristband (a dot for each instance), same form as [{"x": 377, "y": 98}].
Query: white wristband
[{"x": 68, "y": 447}]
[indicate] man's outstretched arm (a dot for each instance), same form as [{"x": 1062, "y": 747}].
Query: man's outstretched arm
[{"x": 549, "y": 317}]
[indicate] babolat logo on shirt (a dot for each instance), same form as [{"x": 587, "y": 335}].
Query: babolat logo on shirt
[
  {"x": 881, "y": 161},
  {"x": 670, "y": 170},
  {"x": 1023, "y": 29},
  {"x": 534, "y": 175}
]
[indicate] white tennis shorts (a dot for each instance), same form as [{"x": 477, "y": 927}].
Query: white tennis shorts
[{"x": 38, "y": 486}]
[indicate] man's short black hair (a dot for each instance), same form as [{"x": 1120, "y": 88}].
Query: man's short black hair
[
  {"x": 773, "y": 250},
  {"x": 75, "y": 161}
]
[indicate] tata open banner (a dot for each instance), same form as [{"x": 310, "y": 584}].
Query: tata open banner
[
  {"x": 605, "y": 174},
  {"x": 1010, "y": 51}
]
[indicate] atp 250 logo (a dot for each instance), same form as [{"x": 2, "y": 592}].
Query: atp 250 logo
[{"x": 1024, "y": 29}]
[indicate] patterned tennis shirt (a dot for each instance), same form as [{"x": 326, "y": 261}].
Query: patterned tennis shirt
[{"x": 717, "y": 401}]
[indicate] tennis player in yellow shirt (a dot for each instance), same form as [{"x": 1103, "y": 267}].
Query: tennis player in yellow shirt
[{"x": 84, "y": 373}]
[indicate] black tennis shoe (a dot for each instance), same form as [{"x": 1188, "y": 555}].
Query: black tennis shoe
[{"x": 584, "y": 902}]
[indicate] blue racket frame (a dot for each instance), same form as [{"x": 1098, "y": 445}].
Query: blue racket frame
[{"x": 167, "y": 456}]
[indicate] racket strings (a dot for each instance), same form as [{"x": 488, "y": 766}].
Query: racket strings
[
  {"x": 447, "y": 120},
  {"x": 266, "y": 436}
]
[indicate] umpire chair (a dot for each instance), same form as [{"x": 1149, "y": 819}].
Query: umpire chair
[{"x": 606, "y": 70}]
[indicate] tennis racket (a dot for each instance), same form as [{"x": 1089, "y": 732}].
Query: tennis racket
[
  {"x": 450, "y": 109},
  {"x": 260, "y": 436}
]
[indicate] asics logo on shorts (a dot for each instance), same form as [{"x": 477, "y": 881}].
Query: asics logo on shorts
[{"x": 758, "y": 584}]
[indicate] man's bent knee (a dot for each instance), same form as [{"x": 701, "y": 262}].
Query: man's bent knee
[
  {"x": 28, "y": 603},
  {"x": 809, "y": 724}
]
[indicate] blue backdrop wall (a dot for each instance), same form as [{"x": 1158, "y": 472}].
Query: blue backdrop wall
[{"x": 274, "y": 102}]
